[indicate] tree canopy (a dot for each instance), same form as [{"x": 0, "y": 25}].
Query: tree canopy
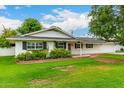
[
  {"x": 29, "y": 25},
  {"x": 7, "y": 32},
  {"x": 107, "y": 22},
  {"x": 102, "y": 22}
]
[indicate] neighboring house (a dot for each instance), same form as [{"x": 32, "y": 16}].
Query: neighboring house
[{"x": 54, "y": 37}]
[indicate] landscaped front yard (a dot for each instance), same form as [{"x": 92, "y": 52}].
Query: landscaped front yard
[{"x": 84, "y": 72}]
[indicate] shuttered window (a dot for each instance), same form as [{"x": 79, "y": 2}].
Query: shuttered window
[
  {"x": 30, "y": 45},
  {"x": 89, "y": 45},
  {"x": 39, "y": 45},
  {"x": 61, "y": 45},
  {"x": 78, "y": 45},
  {"x": 24, "y": 45},
  {"x": 35, "y": 45}
]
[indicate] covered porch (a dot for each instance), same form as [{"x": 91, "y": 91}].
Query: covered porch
[{"x": 73, "y": 46}]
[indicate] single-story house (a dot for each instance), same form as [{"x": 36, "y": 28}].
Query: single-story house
[{"x": 54, "y": 37}]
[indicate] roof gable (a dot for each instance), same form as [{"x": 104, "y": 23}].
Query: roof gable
[{"x": 50, "y": 32}]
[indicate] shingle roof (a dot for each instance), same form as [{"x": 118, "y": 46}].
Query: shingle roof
[
  {"x": 82, "y": 39},
  {"x": 41, "y": 38},
  {"x": 91, "y": 40}
]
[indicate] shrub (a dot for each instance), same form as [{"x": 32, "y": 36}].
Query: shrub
[
  {"x": 32, "y": 55},
  {"x": 40, "y": 54},
  {"x": 24, "y": 56},
  {"x": 60, "y": 53},
  {"x": 43, "y": 54}
]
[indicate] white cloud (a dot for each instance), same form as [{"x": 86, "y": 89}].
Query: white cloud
[
  {"x": 68, "y": 20},
  {"x": 49, "y": 17},
  {"x": 9, "y": 23},
  {"x": 65, "y": 14},
  {"x": 17, "y": 7},
  {"x": 2, "y": 7}
]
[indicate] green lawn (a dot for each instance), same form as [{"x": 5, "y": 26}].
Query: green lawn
[
  {"x": 78, "y": 73},
  {"x": 111, "y": 56}
]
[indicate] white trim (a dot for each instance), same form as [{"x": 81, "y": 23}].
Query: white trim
[
  {"x": 48, "y": 29},
  {"x": 23, "y": 39},
  {"x": 80, "y": 49},
  {"x": 35, "y": 46},
  {"x": 61, "y": 44}
]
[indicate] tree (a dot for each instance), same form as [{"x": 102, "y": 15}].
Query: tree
[
  {"x": 7, "y": 32},
  {"x": 120, "y": 24},
  {"x": 29, "y": 25},
  {"x": 102, "y": 22}
]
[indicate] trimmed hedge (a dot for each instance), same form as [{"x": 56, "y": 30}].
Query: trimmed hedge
[
  {"x": 40, "y": 54},
  {"x": 25, "y": 56},
  {"x": 60, "y": 53},
  {"x": 43, "y": 54},
  {"x": 32, "y": 55}
]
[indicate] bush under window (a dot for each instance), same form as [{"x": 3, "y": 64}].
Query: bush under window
[
  {"x": 60, "y": 53},
  {"x": 43, "y": 54},
  {"x": 40, "y": 54},
  {"x": 32, "y": 55},
  {"x": 25, "y": 56}
]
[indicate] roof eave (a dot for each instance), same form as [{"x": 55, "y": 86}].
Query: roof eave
[{"x": 22, "y": 39}]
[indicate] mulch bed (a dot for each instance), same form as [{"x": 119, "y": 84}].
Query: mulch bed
[
  {"x": 42, "y": 61},
  {"x": 52, "y": 60},
  {"x": 46, "y": 60}
]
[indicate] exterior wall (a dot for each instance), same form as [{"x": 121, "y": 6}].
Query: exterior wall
[
  {"x": 7, "y": 51},
  {"x": 74, "y": 51},
  {"x": 100, "y": 48},
  {"x": 97, "y": 48},
  {"x": 50, "y": 46},
  {"x": 18, "y": 48},
  {"x": 51, "y": 34}
]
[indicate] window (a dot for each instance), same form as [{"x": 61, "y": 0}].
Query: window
[
  {"x": 34, "y": 45},
  {"x": 61, "y": 45},
  {"x": 39, "y": 45},
  {"x": 77, "y": 45},
  {"x": 30, "y": 45},
  {"x": 89, "y": 45}
]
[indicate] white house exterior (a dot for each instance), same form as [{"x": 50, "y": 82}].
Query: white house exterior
[{"x": 55, "y": 38}]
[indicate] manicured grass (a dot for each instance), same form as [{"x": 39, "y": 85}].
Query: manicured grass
[
  {"x": 112, "y": 56},
  {"x": 78, "y": 73}
]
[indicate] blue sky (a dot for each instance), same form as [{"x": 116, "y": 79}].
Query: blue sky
[{"x": 68, "y": 17}]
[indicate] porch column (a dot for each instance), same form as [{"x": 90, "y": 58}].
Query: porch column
[
  {"x": 50, "y": 46},
  {"x": 80, "y": 49},
  {"x": 66, "y": 45}
]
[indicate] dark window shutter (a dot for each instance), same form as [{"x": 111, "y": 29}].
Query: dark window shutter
[
  {"x": 44, "y": 45},
  {"x": 24, "y": 45},
  {"x": 64, "y": 45},
  {"x": 75, "y": 45},
  {"x": 81, "y": 45},
  {"x": 56, "y": 46}
]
